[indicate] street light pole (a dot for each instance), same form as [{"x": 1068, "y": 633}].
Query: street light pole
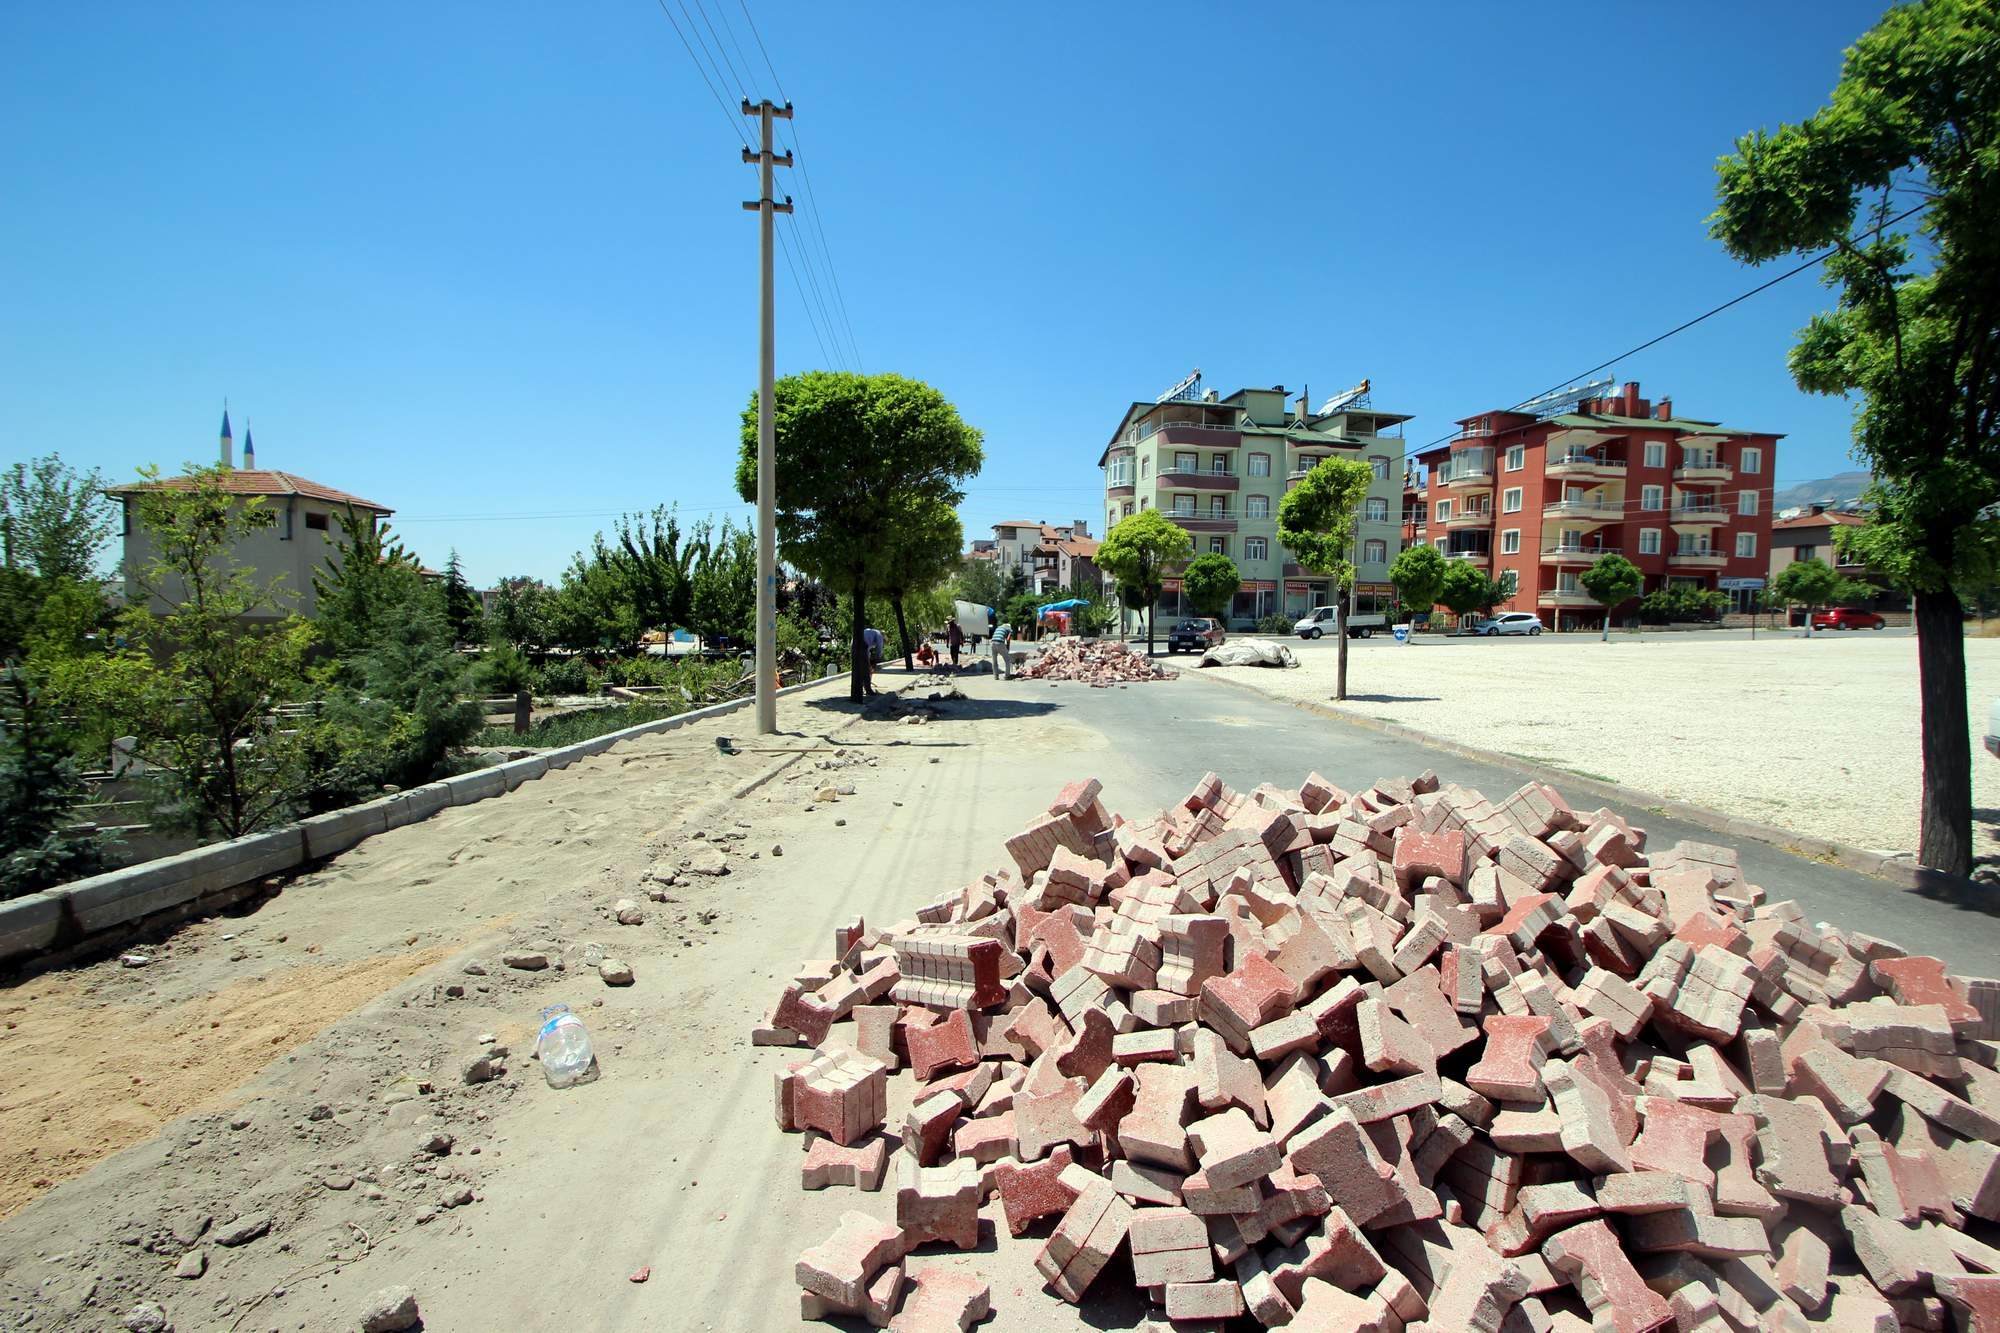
[{"x": 767, "y": 491}]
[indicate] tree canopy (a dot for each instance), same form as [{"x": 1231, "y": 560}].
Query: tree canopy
[
  {"x": 1611, "y": 580},
  {"x": 1418, "y": 574},
  {"x": 1316, "y": 521},
  {"x": 1210, "y": 583},
  {"x": 54, "y": 520},
  {"x": 1136, "y": 554}
]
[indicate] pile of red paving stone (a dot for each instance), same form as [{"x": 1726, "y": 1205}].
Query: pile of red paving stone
[
  {"x": 1396, "y": 1059},
  {"x": 1093, "y": 662}
]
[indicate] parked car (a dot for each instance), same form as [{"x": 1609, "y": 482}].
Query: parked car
[
  {"x": 1320, "y": 619},
  {"x": 1196, "y": 635},
  {"x": 1846, "y": 617},
  {"x": 1513, "y": 622}
]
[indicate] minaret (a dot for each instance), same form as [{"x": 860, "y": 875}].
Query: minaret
[
  {"x": 228, "y": 443},
  {"x": 249, "y": 448}
]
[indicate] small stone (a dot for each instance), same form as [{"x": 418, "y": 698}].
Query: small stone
[
  {"x": 192, "y": 1265},
  {"x": 628, "y": 913},
  {"x": 487, "y": 1039},
  {"x": 840, "y": 823},
  {"x": 706, "y": 859},
  {"x": 437, "y": 1145},
  {"x": 337, "y": 1182},
  {"x": 614, "y": 972},
  {"x": 475, "y": 969},
  {"x": 240, "y": 1122},
  {"x": 526, "y": 962},
  {"x": 147, "y": 1317},
  {"x": 777, "y": 849},
  {"x": 844, "y": 789},
  {"x": 134, "y": 960},
  {"x": 457, "y": 1198},
  {"x": 483, "y": 1069},
  {"x": 320, "y": 1112},
  {"x": 244, "y": 1229},
  {"x": 390, "y": 1310},
  {"x": 826, "y": 794}
]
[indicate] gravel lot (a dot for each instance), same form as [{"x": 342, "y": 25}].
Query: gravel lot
[{"x": 1817, "y": 736}]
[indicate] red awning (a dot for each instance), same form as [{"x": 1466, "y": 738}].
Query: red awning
[
  {"x": 1298, "y": 587},
  {"x": 1258, "y": 585},
  {"x": 1170, "y": 585}
]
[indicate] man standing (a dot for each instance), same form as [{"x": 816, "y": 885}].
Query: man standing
[
  {"x": 954, "y": 639},
  {"x": 1001, "y": 633},
  {"x": 875, "y": 641}
]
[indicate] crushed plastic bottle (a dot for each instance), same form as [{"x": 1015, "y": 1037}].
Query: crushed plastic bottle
[{"x": 563, "y": 1047}]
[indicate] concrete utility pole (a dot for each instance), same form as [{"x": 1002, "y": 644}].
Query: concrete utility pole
[{"x": 767, "y": 490}]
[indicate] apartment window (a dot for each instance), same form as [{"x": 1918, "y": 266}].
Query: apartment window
[
  {"x": 1753, "y": 459},
  {"x": 1219, "y": 545},
  {"x": 1120, "y": 471},
  {"x": 1656, "y": 453},
  {"x": 1184, "y": 463},
  {"x": 1260, "y": 465},
  {"x": 1649, "y": 541},
  {"x": 1379, "y": 466},
  {"x": 1510, "y": 542},
  {"x": 1746, "y": 502},
  {"x": 1218, "y": 465},
  {"x": 1128, "y": 509},
  {"x": 1374, "y": 551},
  {"x": 1218, "y": 507},
  {"x": 1746, "y": 545},
  {"x": 1805, "y": 552},
  {"x": 1144, "y": 465},
  {"x": 1517, "y": 457},
  {"x": 1256, "y": 548},
  {"x": 1510, "y": 582},
  {"x": 1256, "y": 506},
  {"x": 1376, "y": 510},
  {"x": 1652, "y": 497},
  {"x": 1184, "y": 505},
  {"x": 1443, "y": 510},
  {"x": 1111, "y": 516},
  {"x": 1566, "y": 581},
  {"x": 1142, "y": 502},
  {"x": 316, "y": 522},
  {"x": 1510, "y": 500}
]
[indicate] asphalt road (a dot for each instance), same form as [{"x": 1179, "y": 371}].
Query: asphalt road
[
  {"x": 1479, "y": 641},
  {"x": 1164, "y": 736}
]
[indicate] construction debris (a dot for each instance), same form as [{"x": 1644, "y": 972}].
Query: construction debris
[
  {"x": 1098, "y": 662},
  {"x": 1400, "y": 1058},
  {"x": 1249, "y": 652}
]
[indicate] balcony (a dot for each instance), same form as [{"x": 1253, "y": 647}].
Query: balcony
[
  {"x": 1470, "y": 518},
  {"x": 1481, "y": 558},
  {"x": 1463, "y": 478},
  {"x": 1576, "y": 555},
  {"x": 1692, "y": 515},
  {"x": 1600, "y": 510},
  {"x": 1206, "y": 437},
  {"x": 1195, "y": 479},
  {"x": 1585, "y": 465},
  {"x": 1706, "y": 557},
  {"x": 1700, "y": 468},
  {"x": 1566, "y": 597},
  {"x": 1209, "y": 521}
]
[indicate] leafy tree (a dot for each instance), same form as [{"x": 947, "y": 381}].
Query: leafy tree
[
  {"x": 654, "y": 566},
  {"x": 979, "y": 582},
  {"x": 204, "y": 673},
  {"x": 1814, "y": 584},
  {"x": 1136, "y": 554},
  {"x": 39, "y": 786},
  {"x": 852, "y": 452},
  {"x": 1316, "y": 524},
  {"x": 722, "y": 601},
  {"x": 1682, "y": 601},
  {"x": 923, "y": 542},
  {"x": 1022, "y": 611},
  {"x": 1095, "y": 616},
  {"x": 596, "y": 609},
  {"x": 1210, "y": 582},
  {"x": 1418, "y": 575},
  {"x": 520, "y": 613},
  {"x": 461, "y": 605},
  {"x": 1464, "y": 588},
  {"x": 1611, "y": 581},
  {"x": 358, "y": 588},
  {"x": 54, "y": 520},
  {"x": 1916, "y": 340}
]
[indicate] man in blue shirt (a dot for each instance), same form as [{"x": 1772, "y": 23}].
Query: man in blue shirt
[
  {"x": 1001, "y": 633},
  {"x": 875, "y": 641}
]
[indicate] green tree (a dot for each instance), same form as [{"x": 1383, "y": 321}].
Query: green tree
[
  {"x": 1814, "y": 585},
  {"x": 357, "y": 589},
  {"x": 722, "y": 602},
  {"x": 1915, "y": 340},
  {"x": 979, "y": 582},
  {"x": 520, "y": 613},
  {"x": 1316, "y": 524},
  {"x": 198, "y": 687},
  {"x": 1611, "y": 581},
  {"x": 461, "y": 604},
  {"x": 596, "y": 609},
  {"x": 54, "y": 520},
  {"x": 1418, "y": 575},
  {"x": 853, "y": 451},
  {"x": 1210, "y": 582},
  {"x": 654, "y": 567},
  {"x": 1022, "y": 612},
  {"x": 923, "y": 543},
  {"x": 1136, "y": 554},
  {"x": 1464, "y": 588},
  {"x": 39, "y": 786}
]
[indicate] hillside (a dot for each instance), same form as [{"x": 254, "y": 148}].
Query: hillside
[{"x": 1829, "y": 491}]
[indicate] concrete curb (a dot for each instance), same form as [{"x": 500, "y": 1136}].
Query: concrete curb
[
  {"x": 63, "y": 917},
  {"x": 1898, "y": 870}
]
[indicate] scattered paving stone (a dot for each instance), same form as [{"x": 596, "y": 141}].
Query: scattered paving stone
[
  {"x": 390, "y": 1310},
  {"x": 628, "y": 913},
  {"x": 483, "y": 1069},
  {"x": 525, "y": 962},
  {"x": 192, "y": 1265},
  {"x": 436, "y": 1145},
  {"x": 243, "y": 1230},
  {"x": 614, "y": 972},
  {"x": 147, "y": 1317}
]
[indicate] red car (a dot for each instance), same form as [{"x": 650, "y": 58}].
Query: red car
[{"x": 1845, "y": 617}]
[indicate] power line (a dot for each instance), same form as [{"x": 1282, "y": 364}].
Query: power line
[{"x": 728, "y": 116}]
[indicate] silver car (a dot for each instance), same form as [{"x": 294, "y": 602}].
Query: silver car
[{"x": 1513, "y": 622}]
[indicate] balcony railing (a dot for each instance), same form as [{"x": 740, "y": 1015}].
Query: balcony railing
[
  {"x": 1198, "y": 479},
  {"x": 1177, "y": 514},
  {"x": 1699, "y": 557},
  {"x": 1702, "y": 468},
  {"x": 1606, "y": 509},
  {"x": 1700, "y": 514},
  {"x": 1579, "y": 464},
  {"x": 1558, "y": 553},
  {"x": 1565, "y": 597},
  {"x": 1478, "y": 557},
  {"x": 1468, "y": 518}
]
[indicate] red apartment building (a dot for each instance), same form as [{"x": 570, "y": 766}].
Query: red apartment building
[{"x": 1533, "y": 500}]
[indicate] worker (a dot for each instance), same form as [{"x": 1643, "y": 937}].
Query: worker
[
  {"x": 1001, "y": 633},
  {"x": 954, "y": 639},
  {"x": 875, "y": 641}
]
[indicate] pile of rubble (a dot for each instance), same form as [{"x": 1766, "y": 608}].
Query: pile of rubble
[
  {"x": 1093, "y": 661},
  {"x": 1401, "y": 1058}
]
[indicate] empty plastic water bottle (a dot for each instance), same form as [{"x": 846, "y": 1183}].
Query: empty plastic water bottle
[{"x": 563, "y": 1047}]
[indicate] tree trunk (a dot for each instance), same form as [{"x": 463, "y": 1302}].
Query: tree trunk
[
  {"x": 857, "y": 658},
  {"x": 1945, "y": 835},
  {"x": 1340, "y": 659},
  {"x": 1150, "y": 609},
  {"x": 903, "y": 631}
]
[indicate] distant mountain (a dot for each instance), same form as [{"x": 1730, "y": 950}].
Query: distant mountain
[{"x": 1830, "y": 491}]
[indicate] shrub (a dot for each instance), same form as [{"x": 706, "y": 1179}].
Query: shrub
[
  {"x": 1275, "y": 625},
  {"x": 565, "y": 675}
]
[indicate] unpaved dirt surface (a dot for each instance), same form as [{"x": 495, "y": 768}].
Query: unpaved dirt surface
[{"x": 1819, "y": 736}]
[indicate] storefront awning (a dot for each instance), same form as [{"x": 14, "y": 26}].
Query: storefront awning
[{"x": 1258, "y": 585}]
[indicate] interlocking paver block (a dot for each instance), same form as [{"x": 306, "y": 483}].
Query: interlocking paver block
[
  {"x": 949, "y": 971},
  {"x": 1034, "y": 1190},
  {"x": 1509, "y": 1068},
  {"x": 827, "y": 1163},
  {"x": 942, "y": 1301},
  {"x": 938, "y": 1202},
  {"x": 838, "y": 1270},
  {"x": 1232, "y": 1150},
  {"x": 841, "y": 1093},
  {"x": 1592, "y": 1259}
]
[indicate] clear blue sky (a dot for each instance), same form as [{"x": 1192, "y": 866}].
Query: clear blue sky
[{"x": 487, "y": 264}]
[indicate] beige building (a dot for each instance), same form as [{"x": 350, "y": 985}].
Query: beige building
[
  {"x": 305, "y": 536},
  {"x": 1218, "y": 466}
]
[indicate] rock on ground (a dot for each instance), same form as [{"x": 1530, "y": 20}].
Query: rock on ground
[{"x": 390, "y": 1310}]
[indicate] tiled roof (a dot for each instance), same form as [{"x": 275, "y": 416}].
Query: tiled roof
[
  {"x": 1079, "y": 548},
  {"x": 240, "y": 481},
  {"x": 1825, "y": 520}
]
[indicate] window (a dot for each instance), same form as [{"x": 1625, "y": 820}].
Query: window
[
  {"x": 1218, "y": 507},
  {"x": 1510, "y": 500},
  {"x": 1111, "y": 516},
  {"x": 1656, "y": 453},
  {"x": 1260, "y": 465},
  {"x": 1517, "y": 457},
  {"x": 1256, "y": 506},
  {"x": 1443, "y": 510},
  {"x": 1652, "y": 497},
  {"x": 1144, "y": 465},
  {"x": 1566, "y": 581},
  {"x": 1374, "y": 551},
  {"x": 1184, "y": 463},
  {"x": 1746, "y": 545},
  {"x": 1219, "y": 545},
  {"x": 1805, "y": 553},
  {"x": 1746, "y": 502},
  {"x": 1649, "y": 541},
  {"x": 1218, "y": 465},
  {"x": 1753, "y": 459},
  {"x": 1376, "y": 510},
  {"x": 1510, "y": 582},
  {"x": 1379, "y": 466},
  {"x": 315, "y": 522},
  {"x": 1510, "y": 542},
  {"x": 1142, "y": 502},
  {"x": 1184, "y": 505},
  {"x": 1256, "y": 548}
]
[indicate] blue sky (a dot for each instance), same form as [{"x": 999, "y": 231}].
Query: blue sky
[{"x": 487, "y": 265}]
